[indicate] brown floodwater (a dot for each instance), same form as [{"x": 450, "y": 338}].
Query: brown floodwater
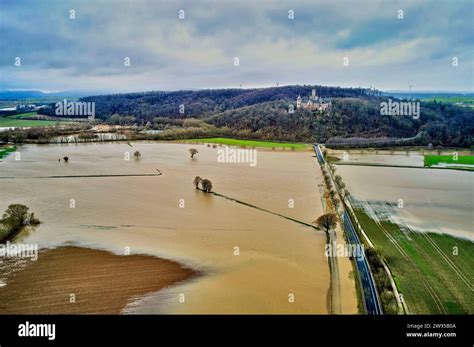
[{"x": 165, "y": 216}]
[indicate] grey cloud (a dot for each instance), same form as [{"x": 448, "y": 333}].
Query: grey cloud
[{"x": 168, "y": 53}]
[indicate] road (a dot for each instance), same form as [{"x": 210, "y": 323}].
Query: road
[
  {"x": 371, "y": 299},
  {"x": 333, "y": 263},
  {"x": 372, "y": 302}
]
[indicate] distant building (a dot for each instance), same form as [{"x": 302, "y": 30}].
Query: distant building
[
  {"x": 313, "y": 102},
  {"x": 25, "y": 107},
  {"x": 28, "y": 107}
]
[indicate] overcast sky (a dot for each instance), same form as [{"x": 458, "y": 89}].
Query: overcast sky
[{"x": 168, "y": 53}]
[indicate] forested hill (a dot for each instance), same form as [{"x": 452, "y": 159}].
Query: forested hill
[
  {"x": 203, "y": 103},
  {"x": 439, "y": 124},
  {"x": 262, "y": 113}
]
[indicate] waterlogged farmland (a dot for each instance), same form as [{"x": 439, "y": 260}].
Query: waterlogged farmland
[
  {"x": 4, "y": 151},
  {"x": 421, "y": 222},
  {"x": 449, "y": 161},
  {"x": 246, "y": 260}
]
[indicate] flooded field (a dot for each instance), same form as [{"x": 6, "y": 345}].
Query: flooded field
[
  {"x": 386, "y": 157},
  {"x": 421, "y": 221},
  {"x": 433, "y": 200},
  {"x": 249, "y": 260}
]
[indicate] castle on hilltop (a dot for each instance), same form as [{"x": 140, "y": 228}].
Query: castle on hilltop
[{"x": 314, "y": 102}]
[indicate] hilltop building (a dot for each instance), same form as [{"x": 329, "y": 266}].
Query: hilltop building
[{"x": 314, "y": 102}]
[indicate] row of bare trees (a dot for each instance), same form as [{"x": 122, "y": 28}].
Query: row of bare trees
[{"x": 192, "y": 152}]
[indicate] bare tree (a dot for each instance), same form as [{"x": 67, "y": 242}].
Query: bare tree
[
  {"x": 137, "y": 155},
  {"x": 193, "y": 152},
  {"x": 206, "y": 185},
  {"x": 196, "y": 182},
  {"x": 327, "y": 221}
]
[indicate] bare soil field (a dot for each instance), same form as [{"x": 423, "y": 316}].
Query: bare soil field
[{"x": 102, "y": 282}]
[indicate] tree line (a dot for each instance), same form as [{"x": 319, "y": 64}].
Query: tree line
[{"x": 201, "y": 103}]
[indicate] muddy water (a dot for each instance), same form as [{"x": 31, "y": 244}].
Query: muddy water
[
  {"x": 276, "y": 257},
  {"x": 433, "y": 200},
  {"x": 411, "y": 159}
]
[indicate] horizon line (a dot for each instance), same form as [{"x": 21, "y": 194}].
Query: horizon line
[{"x": 46, "y": 91}]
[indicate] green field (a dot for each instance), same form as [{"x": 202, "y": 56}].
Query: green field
[
  {"x": 23, "y": 115},
  {"x": 466, "y": 100},
  {"x": 431, "y": 160},
  {"x": 17, "y": 121},
  {"x": 429, "y": 274},
  {"x": 252, "y": 143},
  {"x": 4, "y": 151}
]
